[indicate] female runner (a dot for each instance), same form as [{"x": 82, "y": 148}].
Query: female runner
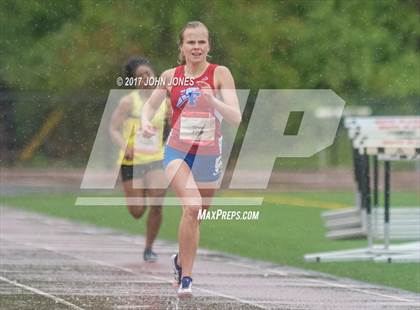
[
  {"x": 141, "y": 159},
  {"x": 194, "y": 143}
]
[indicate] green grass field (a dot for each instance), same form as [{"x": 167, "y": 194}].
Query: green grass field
[{"x": 288, "y": 227}]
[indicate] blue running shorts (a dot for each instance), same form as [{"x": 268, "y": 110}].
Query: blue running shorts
[{"x": 205, "y": 168}]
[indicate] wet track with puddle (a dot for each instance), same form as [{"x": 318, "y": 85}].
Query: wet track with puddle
[{"x": 50, "y": 263}]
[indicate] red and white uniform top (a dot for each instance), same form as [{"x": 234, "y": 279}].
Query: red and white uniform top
[{"x": 196, "y": 125}]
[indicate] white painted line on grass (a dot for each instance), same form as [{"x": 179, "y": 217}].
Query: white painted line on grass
[
  {"x": 39, "y": 292},
  {"x": 168, "y": 201}
]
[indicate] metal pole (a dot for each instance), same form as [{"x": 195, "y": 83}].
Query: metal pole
[
  {"x": 357, "y": 178},
  {"x": 362, "y": 185},
  {"x": 375, "y": 193},
  {"x": 386, "y": 202},
  {"x": 368, "y": 202}
]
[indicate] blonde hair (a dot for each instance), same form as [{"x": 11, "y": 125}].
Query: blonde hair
[{"x": 189, "y": 25}]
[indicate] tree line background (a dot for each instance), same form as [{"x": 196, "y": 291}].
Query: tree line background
[{"x": 67, "y": 54}]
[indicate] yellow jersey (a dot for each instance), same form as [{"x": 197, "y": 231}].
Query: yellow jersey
[{"x": 146, "y": 150}]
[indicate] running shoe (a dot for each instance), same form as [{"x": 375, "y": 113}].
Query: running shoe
[
  {"x": 149, "y": 256},
  {"x": 185, "y": 288},
  {"x": 177, "y": 270}
]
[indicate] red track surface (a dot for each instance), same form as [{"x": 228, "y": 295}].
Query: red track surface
[{"x": 49, "y": 263}]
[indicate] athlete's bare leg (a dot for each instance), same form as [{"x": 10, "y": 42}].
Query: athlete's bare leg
[
  {"x": 154, "y": 180},
  {"x": 135, "y": 198},
  {"x": 189, "y": 234},
  {"x": 206, "y": 193}
]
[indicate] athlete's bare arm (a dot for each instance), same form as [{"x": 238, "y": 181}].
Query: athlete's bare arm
[
  {"x": 229, "y": 107},
  {"x": 153, "y": 103},
  {"x": 168, "y": 114},
  {"x": 120, "y": 114}
]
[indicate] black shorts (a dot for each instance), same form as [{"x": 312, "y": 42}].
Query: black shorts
[{"x": 127, "y": 171}]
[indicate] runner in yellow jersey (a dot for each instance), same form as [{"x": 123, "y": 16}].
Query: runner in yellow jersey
[{"x": 142, "y": 158}]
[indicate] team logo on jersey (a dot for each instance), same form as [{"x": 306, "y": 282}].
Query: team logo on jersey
[{"x": 190, "y": 94}]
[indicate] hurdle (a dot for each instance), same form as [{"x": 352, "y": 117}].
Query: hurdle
[
  {"x": 328, "y": 113},
  {"x": 402, "y": 142},
  {"x": 351, "y": 223},
  {"x": 407, "y": 223}
]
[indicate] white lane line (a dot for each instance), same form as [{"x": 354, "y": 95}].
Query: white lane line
[
  {"x": 264, "y": 270},
  {"x": 361, "y": 290},
  {"x": 39, "y": 292},
  {"x": 211, "y": 292},
  {"x": 133, "y": 307},
  {"x": 348, "y": 287},
  {"x": 344, "y": 286},
  {"x": 129, "y": 241}
]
